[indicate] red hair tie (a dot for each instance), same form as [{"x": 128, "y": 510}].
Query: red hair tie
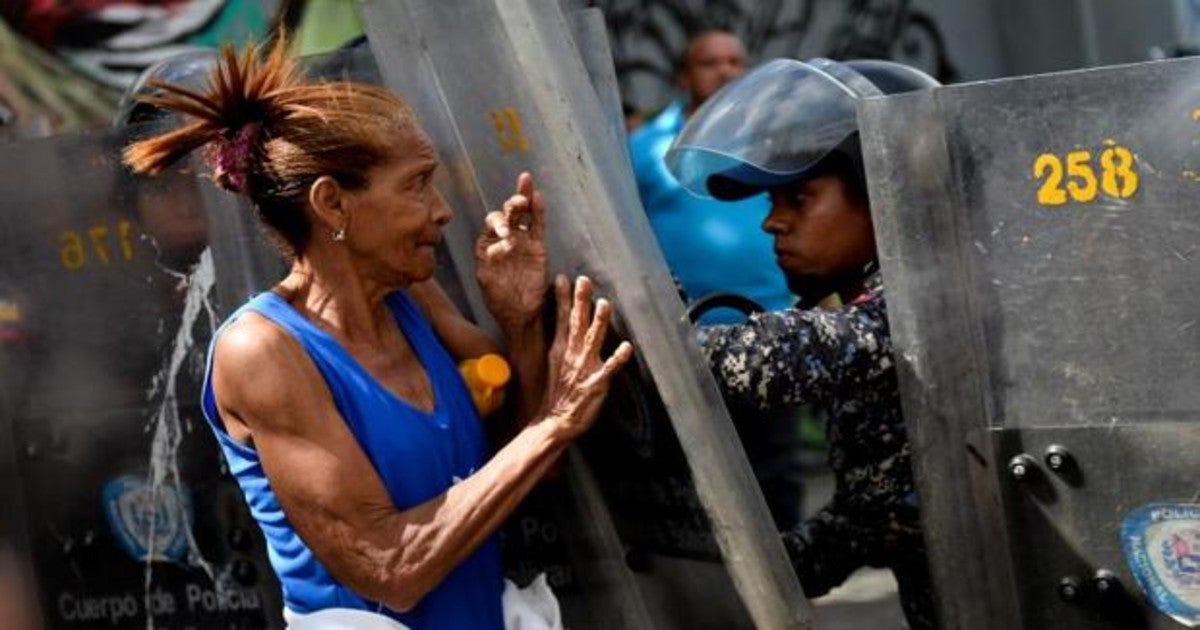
[{"x": 232, "y": 158}]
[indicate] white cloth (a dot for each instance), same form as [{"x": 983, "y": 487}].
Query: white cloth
[
  {"x": 340, "y": 619},
  {"x": 531, "y": 608}
]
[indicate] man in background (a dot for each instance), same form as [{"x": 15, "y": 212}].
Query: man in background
[
  {"x": 710, "y": 247},
  {"x": 716, "y": 247}
]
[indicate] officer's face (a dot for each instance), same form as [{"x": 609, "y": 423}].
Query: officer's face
[
  {"x": 823, "y": 233},
  {"x": 713, "y": 60}
]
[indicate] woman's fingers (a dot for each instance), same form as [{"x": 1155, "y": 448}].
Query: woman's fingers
[
  {"x": 562, "y": 294},
  {"x": 500, "y": 248},
  {"x": 581, "y": 312},
  {"x": 496, "y": 224},
  {"x": 594, "y": 339},
  {"x": 525, "y": 184},
  {"x": 620, "y": 357},
  {"x": 523, "y": 212},
  {"x": 519, "y": 208},
  {"x": 596, "y": 325},
  {"x": 579, "y": 337},
  {"x": 497, "y": 234},
  {"x": 514, "y": 214},
  {"x": 515, "y": 207}
]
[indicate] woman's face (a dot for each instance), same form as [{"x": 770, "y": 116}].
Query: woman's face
[
  {"x": 823, "y": 234},
  {"x": 397, "y": 220}
]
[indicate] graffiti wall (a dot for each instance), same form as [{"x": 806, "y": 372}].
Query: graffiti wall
[
  {"x": 65, "y": 63},
  {"x": 648, "y": 36},
  {"x": 113, "y": 40}
]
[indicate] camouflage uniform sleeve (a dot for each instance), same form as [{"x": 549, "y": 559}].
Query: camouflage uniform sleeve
[
  {"x": 794, "y": 357},
  {"x": 825, "y": 549}
]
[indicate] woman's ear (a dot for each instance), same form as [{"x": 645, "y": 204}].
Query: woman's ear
[{"x": 328, "y": 201}]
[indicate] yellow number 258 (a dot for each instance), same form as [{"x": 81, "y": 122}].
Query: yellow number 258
[{"x": 1118, "y": 176}]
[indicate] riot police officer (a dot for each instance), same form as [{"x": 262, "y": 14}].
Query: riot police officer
[{"x": 790, "y": 129}]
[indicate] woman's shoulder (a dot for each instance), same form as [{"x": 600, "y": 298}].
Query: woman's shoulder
[
  {"x": 259, "y": 369},
  {"x": 252, "y": 342}
]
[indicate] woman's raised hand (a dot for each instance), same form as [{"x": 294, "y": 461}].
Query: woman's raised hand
[
  {"x": 510, "y": 257},
  {"x": 579, "y": 377}
]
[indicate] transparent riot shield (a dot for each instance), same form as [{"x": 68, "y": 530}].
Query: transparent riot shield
[
  {"x": 663, "y": 522},
  {"x": 1038, "y": 239},
  {"x": 114, "y": 494}
]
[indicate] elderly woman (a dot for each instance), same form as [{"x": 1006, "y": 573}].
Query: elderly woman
[{"x": 335, "y": 395}]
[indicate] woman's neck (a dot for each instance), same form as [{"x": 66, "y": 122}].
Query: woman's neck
[{"x": 335, "y": 296}]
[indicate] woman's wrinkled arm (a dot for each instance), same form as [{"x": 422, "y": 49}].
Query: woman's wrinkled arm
[
  {"x": 462, "y": 338},
  {"x": 526, "y": 342},
  {"x": 527, "y": 353},
  {"x": 266, "y": 384}
]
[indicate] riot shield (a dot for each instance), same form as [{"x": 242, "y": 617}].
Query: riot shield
[
  {"x": 667, "y": 527},
  {"x": 1037, "y": 238},
  {"x": 115, "y": 496}
]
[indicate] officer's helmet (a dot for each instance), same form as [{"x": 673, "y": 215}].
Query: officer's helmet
[
  {"x": 779, "y": 122},
  {"x": 189, "y": 70}
]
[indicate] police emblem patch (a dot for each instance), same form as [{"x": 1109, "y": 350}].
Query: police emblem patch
[
  {"x": 1161, "y": 543},
  {"x": 148, "y": 522}
]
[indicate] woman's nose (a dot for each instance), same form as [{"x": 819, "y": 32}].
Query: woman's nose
[{"x": 442, "y": 214}]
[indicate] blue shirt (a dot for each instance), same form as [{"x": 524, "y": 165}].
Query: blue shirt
[
  {"x": 417, "y": 455},
  {"x": 711, "y": 246}
]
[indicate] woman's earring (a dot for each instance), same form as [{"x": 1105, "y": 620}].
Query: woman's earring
[{"x": 339, "y": 235}]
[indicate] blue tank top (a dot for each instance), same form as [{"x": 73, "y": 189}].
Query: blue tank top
[
  {"x": 711, "y": 246},
  {"x": 418, "y": 456}
]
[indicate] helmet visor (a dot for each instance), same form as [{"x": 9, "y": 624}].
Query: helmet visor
[
  {"x": 189, "y": 69},
  {"x": 766, "y": 128}
]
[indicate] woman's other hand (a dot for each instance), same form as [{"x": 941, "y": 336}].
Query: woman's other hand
[
  {"x": 578, "y": 377},
  {"x": 510, "y": 257}
]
